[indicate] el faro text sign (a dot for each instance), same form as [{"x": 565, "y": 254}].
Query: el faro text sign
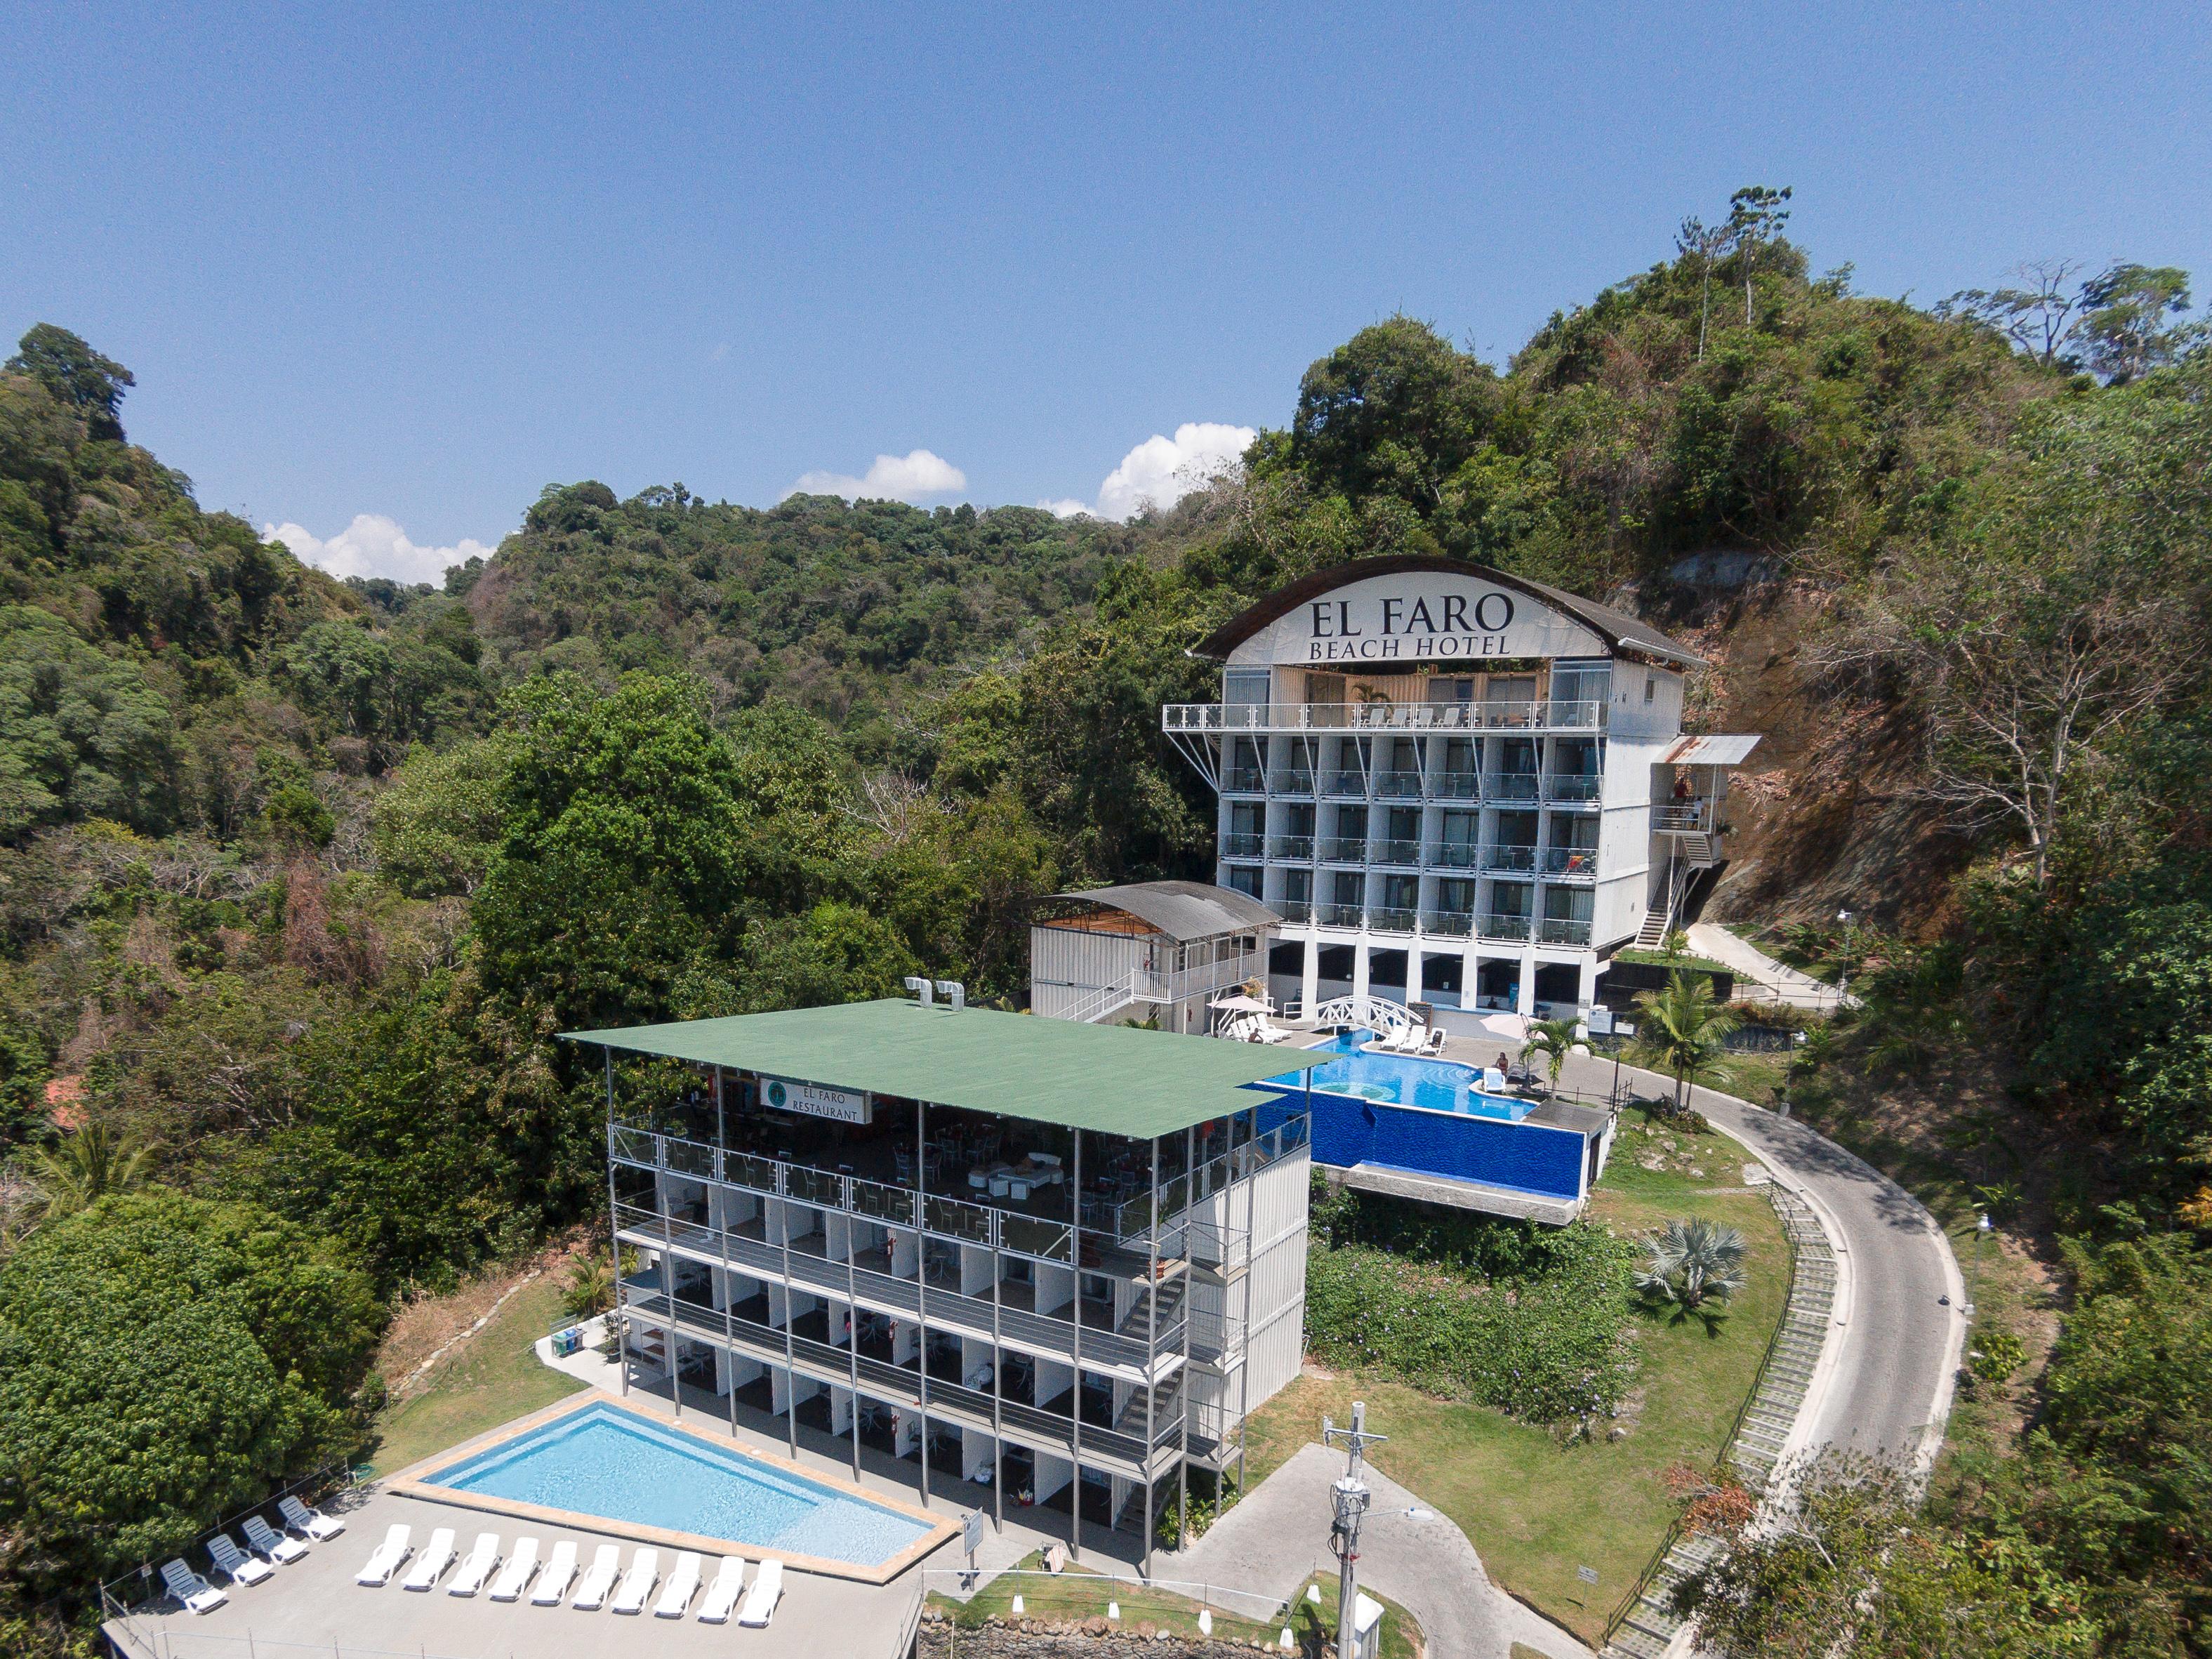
[
  {"x": 843, "y": 1105},
  {"x": 1421, "y": 617}
]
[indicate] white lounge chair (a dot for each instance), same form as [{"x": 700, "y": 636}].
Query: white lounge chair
[
  {"x": 437, "y": 1555},
  {"x": 553, "y": 1582},
  {"x": 722, "y": 1595},
  {"x": 188, "y": 1588},
  {"x": 508, "y": 1586},
  {"x": 637, "y": 1583},
  {"x": 261, "y": 1536},
  {"x": 318, "y": 1526},
  {"x": 476, "y": 1566},
  {"x": 683, "y": 1584},
  {"x": 389, "y": 1554},
  {"x": 239, "y": 1567},
  {"x": 760, "y": 1599},
  {"x": 1433, "y": 1043},
  {"x": 598, "y": 1579}
]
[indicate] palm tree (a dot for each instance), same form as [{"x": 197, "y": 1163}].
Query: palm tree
[
  {"x": 1681, "y": 1029},
  {"x": 590, "y": 1288},
  {"x": 1554, "y": 1039},
  {"x": 90, "y": 1164},
  {"x": 1688, "y": 1262}
]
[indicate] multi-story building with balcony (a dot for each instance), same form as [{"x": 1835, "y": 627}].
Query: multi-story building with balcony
[
  {"x": 1059, "y": 1262},
  {"x": 1454, "y": 785}
]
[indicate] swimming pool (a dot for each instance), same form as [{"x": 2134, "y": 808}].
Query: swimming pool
[
  {"x": 1437, "y": 1086},
  {"x": 607, "y": 1462}
]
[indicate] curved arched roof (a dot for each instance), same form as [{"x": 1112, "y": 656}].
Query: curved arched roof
[{"x": 1621, "y": 631}]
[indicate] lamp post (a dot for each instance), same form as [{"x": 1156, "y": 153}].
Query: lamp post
[
  {"x": 1843, "y": 979},
  {"x": 1982, "y": 1230},
  {"x": 1613, "y": 1031}
]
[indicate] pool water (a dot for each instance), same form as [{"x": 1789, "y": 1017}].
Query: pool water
[
  {"x": 1437, "y": 1086},
  {"x": 606, "y": 1461}
]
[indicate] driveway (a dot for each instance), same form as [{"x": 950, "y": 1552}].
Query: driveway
[
  {"x": 1277, "y": 1536},
  {"x": 1900, "y": 1327}
]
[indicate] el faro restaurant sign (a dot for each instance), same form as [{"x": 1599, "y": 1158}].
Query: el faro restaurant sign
[
  {"x": 1423, "y": 617},
  {"x": 812, "y": 1100}
]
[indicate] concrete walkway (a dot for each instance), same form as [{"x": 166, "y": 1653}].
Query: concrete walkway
[
  {"x": 1277, "y": 1536},
  {"x": 1789, "y": 986}
]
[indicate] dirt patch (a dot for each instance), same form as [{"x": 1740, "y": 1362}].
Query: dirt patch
[{"x": 432, "y": 1330}]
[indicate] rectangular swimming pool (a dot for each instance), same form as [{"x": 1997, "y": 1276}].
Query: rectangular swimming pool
[
  {"x": 606, "y": 1461},
  {"x": 1437, "y": 1086}
]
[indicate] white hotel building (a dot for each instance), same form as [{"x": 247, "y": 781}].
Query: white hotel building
[{"x": 1454, "y": 785}]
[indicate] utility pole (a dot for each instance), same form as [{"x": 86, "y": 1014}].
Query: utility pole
[{"x": 1350, "y": 1499}]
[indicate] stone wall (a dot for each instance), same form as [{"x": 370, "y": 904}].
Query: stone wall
[{"x": 1088, "y": 1638}]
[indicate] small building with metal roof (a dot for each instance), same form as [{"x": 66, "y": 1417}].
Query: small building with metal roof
[{"x": 1152, "y": 952}]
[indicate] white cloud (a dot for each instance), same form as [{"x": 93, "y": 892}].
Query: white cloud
[
  {"x": 891, "y": 477},
  {"x": 1067, "y": 507},
  {"x": 373, "y": 545},
  {"x": 1160, "y": 471}
]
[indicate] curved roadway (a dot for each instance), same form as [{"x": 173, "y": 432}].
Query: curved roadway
[{"x": 1885, "y": 1378}]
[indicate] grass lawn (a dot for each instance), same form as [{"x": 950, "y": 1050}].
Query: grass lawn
[
  {"x": 1536, "y": 1510},
  {"x": 489, "y": 1378},
  {"x": 1077, "y": 1593}
]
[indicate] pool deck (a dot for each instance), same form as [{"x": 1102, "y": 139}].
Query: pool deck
[
  {"x": 314, "y": 1604},
  {"x": 421, "y": 1480}
]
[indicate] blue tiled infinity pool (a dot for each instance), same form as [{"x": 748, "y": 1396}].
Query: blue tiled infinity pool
[
  {"x": 1437, "y": 1086},
  {"x": 605, "y": 1461}
]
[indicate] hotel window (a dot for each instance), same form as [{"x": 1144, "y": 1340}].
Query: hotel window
[
  {"x": 1245, "y": 688},
  {"x": 1455, "y": 896},
  {"x": 1245, "y": 878},
  {"x": 1298, "y": 885},
  {"x": 1400, "y": 892},
  {"x": 1348, "y": 887},
  {"x": 1581, "y": 682},
  {"x": 1650, "y": 685}
]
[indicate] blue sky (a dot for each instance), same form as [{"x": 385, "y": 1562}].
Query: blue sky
[{"x": 417, "y": 262}]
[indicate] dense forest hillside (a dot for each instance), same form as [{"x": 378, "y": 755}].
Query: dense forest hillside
[{"x": 299, "y": 878}]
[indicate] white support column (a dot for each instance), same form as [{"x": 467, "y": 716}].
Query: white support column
[
  {"x": 1309, "y": 983},
  {"x": 1586, "y": 991},
  {"x": 1360, "y": 968},
  {"x": 1470, "y": 974},
  {"x": 1525, "y": 1003},
  {"x": 1413, "y": 970}
]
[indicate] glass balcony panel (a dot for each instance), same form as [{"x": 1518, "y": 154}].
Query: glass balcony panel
[
  {"x": 1243, "y": 780},
  {"x": 1457, "y": 786},
  {"x": 1397, "y": 852},
  {"x": 1401, "y": 786},
  {"x": 1505, "y": 928},
  {"x": 1511, "y": 860},
  {"x": 1575, "y": 788},
  {"x": 749, "y": 1170},
  {"x": 1292, "y": 781},
  {"x": 1570, "y": 861},
  {"x": 1346, "y": 783},
  {"x": 1388, "y": 921},
  {"x": 1240, "y": 844},
  {"x": 891, "y": 1204},
  {"x": 1345, "y": 849},
  {"x": 1564, "y": 930},
  {"x": 1510, "y": 786},
  {"x": 822, "y": 1187},
  {"x": 1444, "y": 925},
  {"x": 1295, "y": 910},
  {"x": 955, "y": 1219},
  {"x": 1455, "y": 855},
  {"x": 1053, "y": 1240},
  {"x": 1341, "y": 916},
  {"x": 1299, "y": 849}
]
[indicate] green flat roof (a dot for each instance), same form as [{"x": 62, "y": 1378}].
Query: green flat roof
[{"x": 1115, "y": 1080}]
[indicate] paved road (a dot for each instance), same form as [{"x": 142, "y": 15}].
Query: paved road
[
  {"x": 1889, "y": 1373},
  {"x": 1800, "y": 990},
  {"x": 1278, "y": 1536}
]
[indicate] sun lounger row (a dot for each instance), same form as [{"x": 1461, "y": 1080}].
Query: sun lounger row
[
  {"x": 1409, "y": 1040},
  {"x": 266, "y": 1550},
  {"x": 603, "y": 1584}
]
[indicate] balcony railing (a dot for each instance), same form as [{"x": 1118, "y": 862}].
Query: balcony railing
[
  {"x": 1445, "y": 924},
  {"x": 1297, "y": 910},
  {"x": 1240, "y": 844},
  {"x": 1345, "y": 849},
  {"x": 1397, "y": 852},
  {"x": 1511, "y": 928},
  {"x": 1243, "y": 780},
  {"x": 1387, "y": 919},
  {"x": 1575, "y": 787},
  {"x": 1458, "y": 786},
  {"x": 1510, "y": 786},
  {"x": 1572, "y": 862},
  {"x": 1538, "y": 713},
  {"x": 1299, "y": 849},
  {"x": 1455, "y": 855},
  {"x": 1342, "y": 915},
  {"x": 1399, "y": 785},
  {"x": 1292, "y": 781},
  {"x": 1511, "y": 860},
  {"x": 1683, "y": 816},
  {"x": 1563, "y": 930},
  {"x": 1353, "y": 783}
]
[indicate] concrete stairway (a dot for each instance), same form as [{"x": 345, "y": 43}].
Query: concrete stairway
[{"x": 1650, "y": 1623}]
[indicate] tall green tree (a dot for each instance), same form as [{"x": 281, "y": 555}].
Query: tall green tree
[
  {"x": 1680, "y": 1029},
  {"x": 87, "y": 382}
]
